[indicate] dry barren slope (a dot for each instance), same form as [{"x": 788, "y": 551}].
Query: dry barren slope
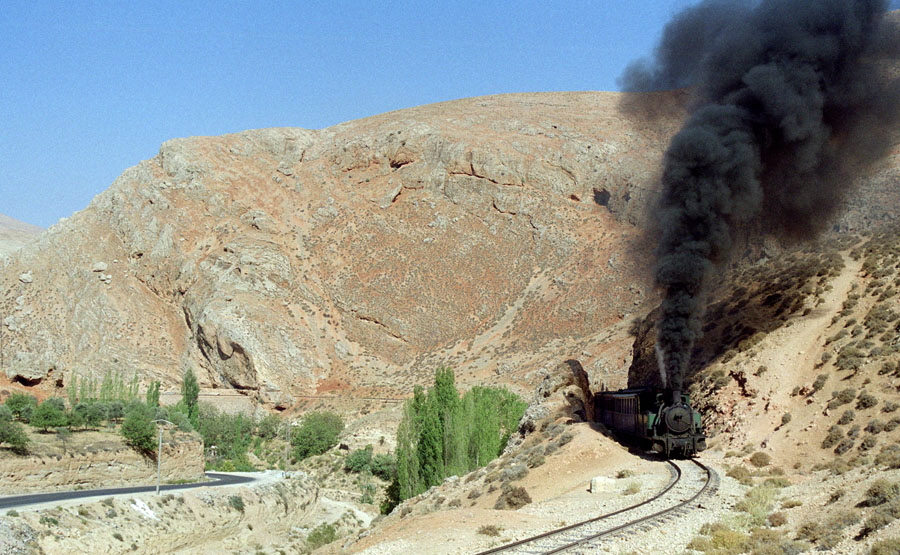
[
  {"x": 14, "y": 234},
  {"x": 496, "y": 234},
  {"x": 490, "y": 233}
]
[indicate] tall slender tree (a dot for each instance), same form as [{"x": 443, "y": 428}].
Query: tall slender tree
[{"x": 190, "y": 394}]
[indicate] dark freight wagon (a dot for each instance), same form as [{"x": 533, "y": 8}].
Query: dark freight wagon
[{"x": 649, "y": 416}]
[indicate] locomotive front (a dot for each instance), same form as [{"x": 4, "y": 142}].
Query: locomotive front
[{"x": 677, "y": 427}]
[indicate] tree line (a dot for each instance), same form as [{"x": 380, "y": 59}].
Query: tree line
[{"x": 443, "y": 434}]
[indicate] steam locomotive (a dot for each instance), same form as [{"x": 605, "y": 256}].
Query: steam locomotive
[{"x": 661, "y": 419}]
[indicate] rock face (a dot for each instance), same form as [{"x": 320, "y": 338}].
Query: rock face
[{"x": 494, "y": 234}]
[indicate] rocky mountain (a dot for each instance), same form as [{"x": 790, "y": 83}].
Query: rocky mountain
[
  {"x": 497, "y": 235},
  {"x": 14, "y": 234}
]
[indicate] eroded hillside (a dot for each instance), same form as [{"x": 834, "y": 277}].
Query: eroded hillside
[{"x": 492, "y": 234}]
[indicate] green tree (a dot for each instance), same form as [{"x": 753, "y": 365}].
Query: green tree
[
  {"x": 431, "y": 442},
  {"x": 153, "y": 394},
  {"x": 12, "y": 433},
  {"x": 408, "y": 478},
  {"x": 48, "y": 415},
  {"x": 138, "y": 428},
  {"x": 317, "y": 433},
  {"x": 21, "y": 405},
  {"x": 442, "y": 434},
  {"x": 230, "y": 433},
  {"x": 115, "y": 410},
  {"x": 359, "y": 460},
  {"x": 95, "y": 413},
  {"x": 190, "y": 394}
]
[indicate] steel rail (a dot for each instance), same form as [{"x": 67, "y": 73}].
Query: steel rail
[
  {"x": 676, "y": 476},
  {"x": 595, "y": 536}
]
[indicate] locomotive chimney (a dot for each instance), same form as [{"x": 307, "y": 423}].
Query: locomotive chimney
[{"x": 676, "y": 397}]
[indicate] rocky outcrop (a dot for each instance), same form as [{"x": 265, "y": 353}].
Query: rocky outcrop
[
  {"x": 279, "y": 260},
  {"x": 97, "y": 462},
  {"x": 489, "y": 234}
]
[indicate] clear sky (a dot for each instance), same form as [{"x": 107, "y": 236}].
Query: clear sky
[{"x": 90, "y": 88}]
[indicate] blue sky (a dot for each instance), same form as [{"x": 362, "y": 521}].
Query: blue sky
[{"x": 91, "y": 88}]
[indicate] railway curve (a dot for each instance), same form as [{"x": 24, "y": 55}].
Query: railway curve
[{"x": 690, "y": 481}]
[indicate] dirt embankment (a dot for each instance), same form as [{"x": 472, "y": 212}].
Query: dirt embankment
[
  {"x": 209, "y": 520},
  {"x": 94, "y": 459}
]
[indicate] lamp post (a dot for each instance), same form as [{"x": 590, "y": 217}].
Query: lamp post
[{"x": 159, "y": 453}]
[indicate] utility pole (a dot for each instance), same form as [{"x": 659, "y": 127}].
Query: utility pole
[{"x": 159, "y": 453}]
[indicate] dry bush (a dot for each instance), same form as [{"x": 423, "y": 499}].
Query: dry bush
[
  {"x": 841, "y": 397},
  {"x": 889, "y": 456},
  {"x": 889, "y": 546},
  {"x": 844, "y": 446},
  {"x": 490, "y": 530},
  {"x": 777, "y": 519},
  {"x": 847, "y": 417},
  {"x": 880, "y": 492},
  {"x": 760, "y": 459},
  {"x": 835, "y": 434},
  {"x": 740, "y": 474},
  {"x": 512, "y": 497},
  {"x": 866, "y": 401}
]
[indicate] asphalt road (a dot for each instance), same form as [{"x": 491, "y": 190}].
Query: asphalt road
[{"x": 31, "y": 499}]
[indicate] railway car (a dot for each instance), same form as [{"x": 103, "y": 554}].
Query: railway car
[{"x": 660, "y": 419}]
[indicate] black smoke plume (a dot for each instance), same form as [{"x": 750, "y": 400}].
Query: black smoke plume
[{"x": 790, "y": 100}]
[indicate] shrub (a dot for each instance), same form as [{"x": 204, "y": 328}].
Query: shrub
[
  {"x": 512, "y": 497},
  {"x": 626, "y": 473},
  {"x": 489, "y": 530},
  {"x": 514, "y": 472},
  {"x": 785, "y": 418},
  {"x": 359, "y": 460},
  {"x": 819, "y": 383},
  {"x": 841, "y": 397},
  {"x": 317, "y": 433},
  {"x": 138, "y": 428},
  {"x": 890, "y": 406},
  {"x": 835, "y": 434},
  {"x": 777, "y": 519},
  {"x": 632, "y": 488},
  {"x": 875, "y": 426},
  {"x": 760, "y": 459},
  {"x": 880, "y": 492},
  {"x": 757, "y": 503},
  {"x": 868, "y": 443},
  {"x": 236, "y": 502},
  {"x": 866, "y": 400},
  {"x": 844, "y": 446},
  {"x": 740, "y": 474},
  {"x": 118, "y": 536},
  {"x": 13, "y": 434},
  {"x": 892, "y": 424},
  {"x": 889, "y": 546},
  {"x": 384, "y": 465},
  {"x": 847, "y": 417},
  {"x": 322, "y": 534},
  {"x": 876, "y": 521}
]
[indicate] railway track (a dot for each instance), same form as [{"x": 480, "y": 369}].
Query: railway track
[{"x": 690, "y": 480}]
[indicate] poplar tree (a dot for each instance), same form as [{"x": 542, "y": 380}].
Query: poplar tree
[{"x": 190, "y": 393}]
